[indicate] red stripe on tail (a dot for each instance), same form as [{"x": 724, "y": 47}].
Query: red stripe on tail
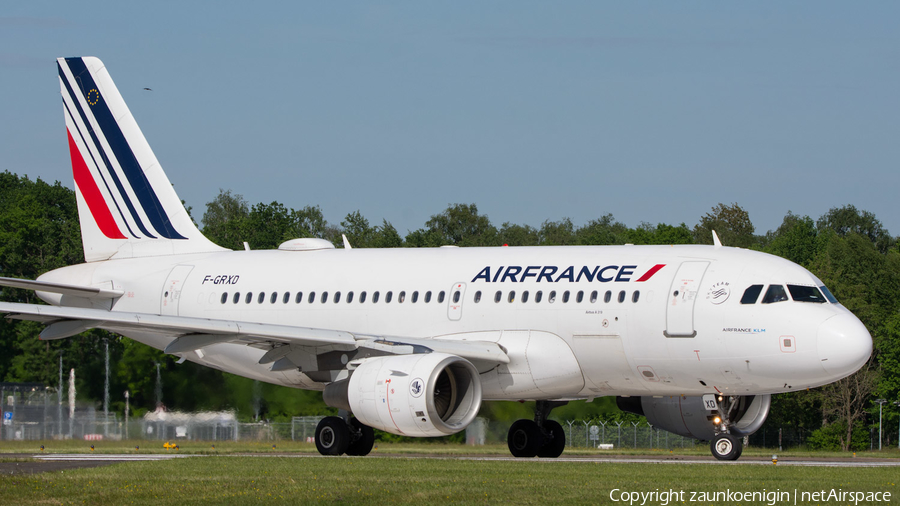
[
  {"x": 91, "y": 194},
  {"x": 653, "y": 270}
]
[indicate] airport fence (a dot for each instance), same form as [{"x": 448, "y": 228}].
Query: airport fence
[{"x": 33, "y": 412}]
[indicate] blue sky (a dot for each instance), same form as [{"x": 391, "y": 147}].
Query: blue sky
[{"x": 654, "y": 112}]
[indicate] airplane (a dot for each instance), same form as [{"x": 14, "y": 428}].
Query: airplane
[{"x": 410, "y": 341}]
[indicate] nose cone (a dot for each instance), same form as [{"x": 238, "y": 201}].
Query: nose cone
[{"x": 844, "y": 345}]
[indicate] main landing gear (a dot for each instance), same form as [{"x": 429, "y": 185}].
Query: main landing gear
[
  {"x": 335, "y": 436},
  {"x": 538, "y": 438}
]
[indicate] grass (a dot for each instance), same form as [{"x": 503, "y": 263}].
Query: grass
[{"x": 374, "y": 480}]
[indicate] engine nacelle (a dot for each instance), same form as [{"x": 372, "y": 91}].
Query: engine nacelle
[
  {"x": 419, "y": 395},
  {"x": 687, "y": 416}
]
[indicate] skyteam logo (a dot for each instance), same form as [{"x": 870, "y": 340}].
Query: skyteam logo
[
  {"x": 417, "y": 387},
  {"x": 571, "y": 273},
  {"x": 719, "y": 292}
]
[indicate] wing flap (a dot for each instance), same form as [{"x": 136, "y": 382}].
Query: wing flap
[{"x": 179, "y": 325}]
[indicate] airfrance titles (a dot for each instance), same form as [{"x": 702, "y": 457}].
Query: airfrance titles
[{"x": 571, "y": 273}]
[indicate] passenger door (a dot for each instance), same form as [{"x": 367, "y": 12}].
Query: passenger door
[{"x": 682, "y": 295}]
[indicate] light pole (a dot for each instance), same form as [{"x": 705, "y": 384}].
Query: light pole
[{"x": 880, "y": 404}]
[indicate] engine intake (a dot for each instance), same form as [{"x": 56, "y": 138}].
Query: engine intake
[{"x": 420, "y": 395}]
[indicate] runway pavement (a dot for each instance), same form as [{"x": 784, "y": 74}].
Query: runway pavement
[{"x": 38, "y": 463}]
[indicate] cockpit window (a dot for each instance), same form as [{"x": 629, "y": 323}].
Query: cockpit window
[
  {"x": 751, "y": 295},
  {"x": 775, "y": 293},
  {"x": 828, "y": 294},
  {"x": 802, "y": 293}
]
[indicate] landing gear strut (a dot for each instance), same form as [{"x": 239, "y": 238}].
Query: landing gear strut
[
  {"x": 538, "y": 438},
  {"x": 335, "y": 436}
]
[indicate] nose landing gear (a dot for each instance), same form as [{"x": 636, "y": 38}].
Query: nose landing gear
[{"x": 726, "y": 447}]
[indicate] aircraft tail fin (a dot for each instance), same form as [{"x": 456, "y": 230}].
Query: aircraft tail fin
[{"x": 126, "y": 204}]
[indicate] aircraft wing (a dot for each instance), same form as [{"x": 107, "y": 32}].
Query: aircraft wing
[{"x": 196, "y": 333}]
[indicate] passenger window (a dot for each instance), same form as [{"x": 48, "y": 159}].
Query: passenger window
[
  {"x": 441, "y": 297},
  {"x": 828, "y": 294},
  {"x": 579, "y": 297},
  {"x": 388, "y": 296},
  {"x": 456, "y": 296},
  {"x": 622, "y": 296},
  {"x": 525, "y": 296},
  {"x": 498, "y": 296},
  {"x": 566, "y": 296},
  {"x": 552, "y": 297},
  {"x": 775, "y": 293},
  {"x": 635, "y": 296},
  {"x": 362, "y": 297},
  {"x": 751, "y": 294},
  {"x": 427, "y": 297},
  {"x": 273, "y": 298},
  {"x": 287, "y": 297},
  {"x": 802, "y": 293},
  {"x": 349, "y": 297},
  {"x": 538, "y": 296},
  {"x": 512, "y": 296},
  {"x": 415, "y": 297},
  {"x": 311, "y": 298},
  {"x": 337, "y": 297},
  {"x": 224, "y": 297},
  {"x": 324, "y": 297},
  {"x": 478, "y": 296},
  {"x": 594, "y": 296},
  {"x": 401, "y": 297},
  {"x": 375, "y": 297},
  {"x": 237, "y": 297},
  {"x": 607, "y": 296},
  {"x": 299, "y": 298},
  {"x": 261, "y": 297},
  {"x": 248, "y": 297}
]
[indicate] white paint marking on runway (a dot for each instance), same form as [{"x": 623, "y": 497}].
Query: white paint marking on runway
[{"x": 110, "y": 457}]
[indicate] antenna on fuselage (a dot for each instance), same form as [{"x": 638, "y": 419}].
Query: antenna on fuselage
[
  {"x": 346, "y": 242},
  {"x": 716, "y": 242}
]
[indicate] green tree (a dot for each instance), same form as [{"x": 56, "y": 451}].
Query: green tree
[
  {"x": 224, "y": 221},
  {"x": 603, "y": 231},
  {"x": 730, "y": 222},
  {"x": 458, "y": 225},
  {"x": 518, "y": 235},
  {"x": 795, "y": 239},
  {"x": 848, "y": 220}
]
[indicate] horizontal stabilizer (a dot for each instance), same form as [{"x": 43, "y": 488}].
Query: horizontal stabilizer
[{"x": 88, "y": 292}]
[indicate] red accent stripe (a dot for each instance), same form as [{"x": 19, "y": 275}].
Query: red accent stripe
[
  {"x": 653, "y": 270},
  {"x": 91, "y": 194}
]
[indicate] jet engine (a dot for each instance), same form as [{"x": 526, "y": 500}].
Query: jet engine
[
  {"x": 419, "y": 395},
  {"x": 689, "y": 417}
]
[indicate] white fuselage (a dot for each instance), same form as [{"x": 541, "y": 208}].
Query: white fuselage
[{"x": 673, "y": 323}]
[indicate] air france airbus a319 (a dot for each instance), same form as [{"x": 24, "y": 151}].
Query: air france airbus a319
[{"x": 411, "y": 341}]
